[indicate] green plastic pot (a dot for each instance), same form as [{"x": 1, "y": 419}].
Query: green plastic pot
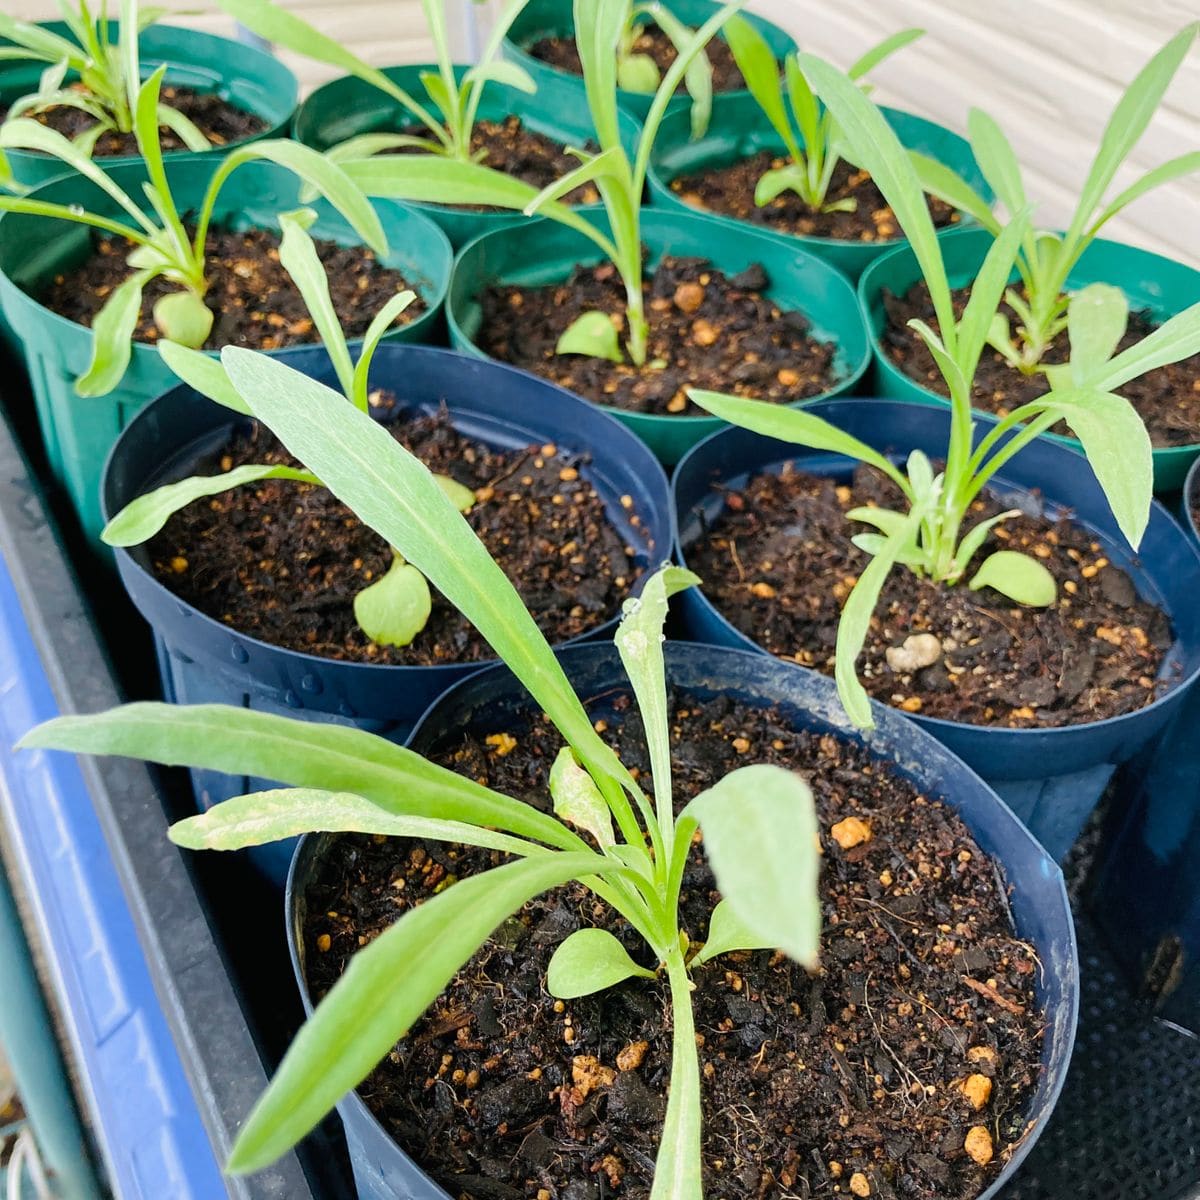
[
  {"x": 555, "y": 18},
  {"x": 243, "y": 75},
  {"x": 348, "y": 107},
  {"x": 740, "y": 130},
  {"x": 543, "y": 253},
  {"x": 1159, "y": 285},
  {"x": 78, "y": 432}
]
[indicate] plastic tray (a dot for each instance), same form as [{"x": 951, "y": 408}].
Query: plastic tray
[{"x": 172, "y": 972}]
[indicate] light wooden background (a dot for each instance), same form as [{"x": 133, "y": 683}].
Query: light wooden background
[{"x": 1048, "y": 70}]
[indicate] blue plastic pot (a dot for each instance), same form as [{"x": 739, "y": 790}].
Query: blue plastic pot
[
  {"x": 1146, "y": 886},
  {"x": 492, "y": 699},
  {"x": 202, "y": 661},
  {"x": 1051, "y": 778}
]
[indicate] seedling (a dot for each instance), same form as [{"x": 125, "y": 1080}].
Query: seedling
[
  {"x": 759, "y": 825},
  {"x": 161, "y": 246},
  {"x": 456, "y": 104},
  {"x": 638, "y": 72},
  {"x": 394, "y": 609},
  {"x": 1045, "y": 260},
  {"x": 816, "y": 152},
  {"x": 598, "y": 27},
  {"x": 109, "y": 72},
  {"x": 929, "y": 538}
]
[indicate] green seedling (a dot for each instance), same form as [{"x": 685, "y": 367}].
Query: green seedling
[
  {"x": 161, "y": 246},
  {"x": 450, "y": 110},
  {"x": 1045, "y": 260},
  {"x": 598, "y": 27},
  {"x": 930, "y": 536},
  {"x": 394, "y": 609},
  {"x": 108, "y": 71},
  {"x": 809, "y": 133},
  {"x": 759, "y": 824}
]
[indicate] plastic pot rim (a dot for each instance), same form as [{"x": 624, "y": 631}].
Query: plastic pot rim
[
  {"x": 937, "y": 725},
  {"x": 840, "y": 386},
  {"x": 889, "y": 717},
  {"x": 1191, "y": 487},
  {"x": 126, "y": 558}
]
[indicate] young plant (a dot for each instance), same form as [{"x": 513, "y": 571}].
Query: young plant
[
  {"x": 1046, "y": 260},
  {"x": 161, "y": 246},
  {"x": 638, "y": 72},
  {"x": 456, "y": 104},
  {"x": 816, "y": 152},
  {"x": 930, "y": 537},
  {"x": 758, "y": 823},
  {"x": 109, "y": 72},
  {"x": 395, "y": 608},
  {"x": 598, "y": 27}
]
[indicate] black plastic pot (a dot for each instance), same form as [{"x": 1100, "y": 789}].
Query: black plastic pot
[
  {"x": 383, "y": 1171},
  {"x": 1147, "y": 882},
  {"x": 202, "y": 661},
  {"x": 1052, "y": 778}
]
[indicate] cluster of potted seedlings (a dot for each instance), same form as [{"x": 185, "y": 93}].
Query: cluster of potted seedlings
[{"x": 739, "y": 914}]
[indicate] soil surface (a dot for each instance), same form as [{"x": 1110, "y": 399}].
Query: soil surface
[
  {"x": 779, "y": 564},
  {"x": 508, "y": 146},
  {"x": 561, "y": 52},
  {"x": 708, "y": 330},
  {"x": 730, "y": 190},
  {"x": 1167, "y": 399},
  {"x": 221, "y": 122},
  {"x": 283, "y": 561},
  {"x": 811, "y": 1085},
  {"x": 254, "y": 300}
]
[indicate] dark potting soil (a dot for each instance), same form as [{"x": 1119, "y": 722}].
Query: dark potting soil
[
  {"x": 221, "y": 122},
  {"x": 708, "y": 330},
  {"x": 283, "y": 561},
  {"x": 779, "y": 564},
  {"x": 1167, "y": 399},
  {"x": 255, "y": 302},
  {"x": 508, "y": 146},
  {"x": 730, "y": 190},
  {"x": 562, "y": 52},
  {"x": 809, "y": 1083}
]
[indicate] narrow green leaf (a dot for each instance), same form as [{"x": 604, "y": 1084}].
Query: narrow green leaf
[
  {"x": 856, "y": 619},
  {"x": 884, "y": 50},
  {"x": 699, "y": 75},
  {"x": 186, "y": 130},
  {"x": 874, "y": 146},
  {"x": 640, "y": 644},
  {"x": 973, "y": 542},
  {"x": 804, "y": 104},
  {"x": 142, "y": 518},
  {"x": 379, "y": 328},
  {"x": 396, "y": 495},
  {"x": 593, "y": 334},
  {"x": 884, "y": 519},
  {"x": 1017, "y": 576},
  {"x": 1172, "y": 341},
  {"x": 203, "y": 373},
  {"x": 112, "y": 337},
  {"x": 795, "y": 426},
  {"x": 1118, "y": 449},
  {"x": 772, "y": 184},
  {"x": 590, "y": 961},
  {"x": 299, "y": 258},
  {"x": 761, "y": 837},
  {"x": 610, "y": 164},
  {"x": 386, "y": 987},
  {"x": 946, "y": 184},
  {"x": 726, "y": 932},
  {"x": 598, "y": 28},
  {"x": 989, "y": 287},
  {"x": 997, "y": 160},
  {"x": 1129, "y": 121},
  {"x": 508, "y": 74},
  {"x": 1096, "y": 318},
  {"x": 1168, "y": 172},
  {"x": 335, "y": 758},
  {"x": 281, "y": 813}
]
